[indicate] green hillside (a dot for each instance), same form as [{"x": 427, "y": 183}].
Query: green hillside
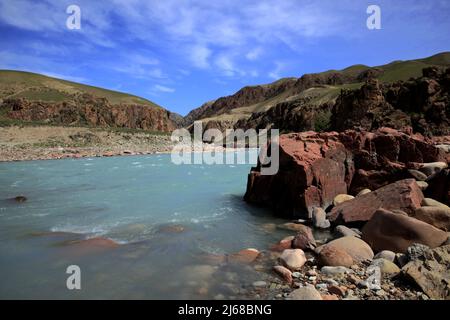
[{"x": 32, "y": 86}]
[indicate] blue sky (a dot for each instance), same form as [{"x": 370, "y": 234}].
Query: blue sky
[{"x": 181, "y": 53}]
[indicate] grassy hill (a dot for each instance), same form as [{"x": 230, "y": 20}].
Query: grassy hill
[{"x": 33, "y": 86}]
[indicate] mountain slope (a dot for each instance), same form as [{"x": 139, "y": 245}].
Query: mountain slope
[
  {"x": 30, "y": 97},
  {"x": 253, "y": 102}
]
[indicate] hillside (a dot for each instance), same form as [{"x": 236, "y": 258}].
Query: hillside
[
  {"x": 33, "y": 98},
  {"x": 256, "y": 106}
]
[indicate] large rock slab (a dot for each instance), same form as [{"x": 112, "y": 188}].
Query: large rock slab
[
  {"x": 403, "y": 195},
  {"x": 431, "y": 272},
  {"x": 395, "y": 232}
]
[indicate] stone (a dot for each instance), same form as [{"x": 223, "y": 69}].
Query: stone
[
  {"x": 305, "y": 293},
  {"x": 329, "y": 297},
  {"x": 343, "y": 231},
  {"x": 90, "y": 246},
  {"x": 422, "y": 185},
  {"x": 354, "y": 247},
  {"x": 337, "y": 290},
  {"x": 244, "y": 256},
  {"x": 433, "y": 167},
  {"x": 260, "y": 284},
  {"x": 404, "y": 195},
  {"x": 335, "y": 271},
  {"x": 284, "y": 273},
  {"x": 171, "y": 228},
  {"x": 363, "y": 192},
  {"x": 385, "y": 254},
  {"x": 436, "y": 216},
  {"x": 428, "y": 202},
  {"x": 341, "y": 198},
  {"x": 319, "y": 218},
  {"x": 431, "y": 272},
  {"x": 19, "y": 199},
  {"x": 415, "y": 251},
  {"x": 304, "y": 239},
  {"x": 284, "y": 244},
  {"x": 394, "y": 232},
  {"x": 291, "y": 226},
  {"x": 293, "y": 259},
  {"x": 416, "y": 174},
  {"x": 386, "y": 267},
  {"x": 439, "y": 186},
  {"x": 334, "y": 256}
]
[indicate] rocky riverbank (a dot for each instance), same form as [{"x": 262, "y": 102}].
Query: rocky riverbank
[{"x": 383, "y": 195}]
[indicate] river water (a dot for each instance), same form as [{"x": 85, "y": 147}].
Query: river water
[{"x": 167, "y": 219}]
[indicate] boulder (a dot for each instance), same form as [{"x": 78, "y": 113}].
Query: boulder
[
  {"x": 304, "y": 239},
  {"x": 431, "y": 272},
  {"x": 430, "y": 168},
  {"x": 439, "y": 186},
  {"x": 284, "y": 244},
  {"x": 385, "y": 254},
  {"x": 363, "y": 192},
  {"x": 394, "y": 232},
  {"x": 428, "y": 202},
  {"x": 436, "y": 216},
  {"x": 334, "y": 256},
  {"x": 305, "y": 293},
  {"x": 341, "y": 198},
  {"x": 404, "y": 195},
  {"x": 386, "y": 267},
  {"x": 293, "y": 259},
  {"x": 343, "y": 231},
  {"x": 416, "y": 174},
  {"x": 422, "y": 185},
  {"x": 354, "y": 247},
  {"x": 291, "y": 226},
  {"x": 319, "y": 219}
]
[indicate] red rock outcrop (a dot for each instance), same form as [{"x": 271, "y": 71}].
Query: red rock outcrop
[{"x": 315, "y": 167}]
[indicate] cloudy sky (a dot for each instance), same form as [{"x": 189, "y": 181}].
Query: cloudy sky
[{"x": 181, "y": 53}]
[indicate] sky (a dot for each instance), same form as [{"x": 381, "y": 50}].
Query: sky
[{"x": 182, "y": 53}]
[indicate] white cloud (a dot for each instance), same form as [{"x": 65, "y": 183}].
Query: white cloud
[
  {"x": 199, "y": 56},
  {"x": 254, "y": 54},
  {"x": 161, "y": 88},
  {"x": 276, "y": 72}
]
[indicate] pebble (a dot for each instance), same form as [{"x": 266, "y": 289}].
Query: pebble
[
  {"x": 259, "y": 284},
  {"x": 327, "y": 270}
]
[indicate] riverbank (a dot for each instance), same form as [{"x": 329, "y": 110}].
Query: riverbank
[{"x": 56, "y": 142}]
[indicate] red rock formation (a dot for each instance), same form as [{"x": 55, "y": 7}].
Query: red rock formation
[{"x": 315, "y": 167}]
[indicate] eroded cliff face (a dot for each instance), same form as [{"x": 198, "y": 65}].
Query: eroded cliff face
[
  {"x": 85, "y": 109},
  {"x": 423, "y": 104}
]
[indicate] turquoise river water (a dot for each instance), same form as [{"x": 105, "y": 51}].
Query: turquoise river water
[{"x": 167, "y": 218}]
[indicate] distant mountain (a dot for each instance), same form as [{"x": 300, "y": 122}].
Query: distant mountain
[
  {"x": 30, "y": 97},
  {"x": 306, "y": 102}
]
